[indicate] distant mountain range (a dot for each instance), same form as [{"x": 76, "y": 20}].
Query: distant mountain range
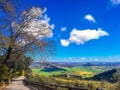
[{"x": 72, "y": 64}]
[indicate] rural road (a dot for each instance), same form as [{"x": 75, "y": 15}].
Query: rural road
[{"x": 17, "y": 84}]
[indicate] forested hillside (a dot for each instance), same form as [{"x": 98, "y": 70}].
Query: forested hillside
[{"x": 112, "y": 76}]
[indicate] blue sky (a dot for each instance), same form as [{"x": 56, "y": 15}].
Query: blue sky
[{"x": 84, "y": 30}]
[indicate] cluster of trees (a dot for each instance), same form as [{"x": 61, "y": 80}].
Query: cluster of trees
[{"x": 23, "y": 32}]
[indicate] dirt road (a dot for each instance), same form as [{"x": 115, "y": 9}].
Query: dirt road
[{"x": 17, "y": 84}]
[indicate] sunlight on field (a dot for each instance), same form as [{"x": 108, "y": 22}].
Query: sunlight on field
[{"x": 85, "y": 74}]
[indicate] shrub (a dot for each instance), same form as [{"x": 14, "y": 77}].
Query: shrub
[{"x": 21, "y": 72}]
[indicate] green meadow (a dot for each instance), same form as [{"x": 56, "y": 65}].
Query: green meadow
[{"x": 83, "y": 71}]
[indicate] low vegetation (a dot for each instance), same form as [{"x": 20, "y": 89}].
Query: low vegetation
[
  {"x": 7, "y": 73},
  {"x": 72, "y": 82}
]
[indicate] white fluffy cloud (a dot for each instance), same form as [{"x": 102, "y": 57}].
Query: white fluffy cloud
[
  {"x": 64, "y": 42},
  {"x": 63, "y": 28},
  {"x": 90, "y": 18},
  {"x": 82, "y": 36},
  {"x": 115, "y": 2}
]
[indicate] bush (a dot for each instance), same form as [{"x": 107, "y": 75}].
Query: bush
[{"x": 21, "y": 72}]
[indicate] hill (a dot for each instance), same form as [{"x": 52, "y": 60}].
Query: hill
[
  {"x": 112, "y": 76},
  {"x": 89, "y": 64},
  {"x": 52, "y": 68}
]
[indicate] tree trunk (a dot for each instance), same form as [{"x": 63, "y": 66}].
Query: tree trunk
[{"x": 7, "y": 56}]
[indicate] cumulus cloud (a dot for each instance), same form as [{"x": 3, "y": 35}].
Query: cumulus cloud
[
  {"x": 115, "y": 2},
  {"x": 63, "y": 28},
  {"x": 64, "y": 42},
  {"x": 90, "y": 18},
  {"x": 82, "y": 36}
]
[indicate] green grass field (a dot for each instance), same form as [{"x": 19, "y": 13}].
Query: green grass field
[{"x": 84, "y": 71}]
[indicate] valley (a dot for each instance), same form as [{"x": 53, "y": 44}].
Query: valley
[
  {"x": 82, "y": 70},
  {"x": 84, "y": 75}
]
